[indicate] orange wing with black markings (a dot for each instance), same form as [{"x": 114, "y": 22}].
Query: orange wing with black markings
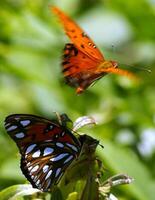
[
  {"x": 80, "y": 39},
  {"x": 83, "y": 63},
  {"x": 78, "y": 68}
]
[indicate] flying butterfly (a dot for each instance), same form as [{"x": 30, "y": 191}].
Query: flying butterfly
[
  {"x": 83, "y": 63},
  {"x": 47, "y": 147}
]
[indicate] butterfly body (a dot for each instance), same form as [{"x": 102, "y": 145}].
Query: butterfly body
[
  {"x": 83, "y": 63},
  {"x": 47, "y": 148},
  {"x": 82, "y": 74}
]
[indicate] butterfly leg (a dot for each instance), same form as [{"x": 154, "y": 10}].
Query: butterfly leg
[
  {"x": 63, "y": 119},
  {"x": 79, "y": 90},
  {"x": 58, "y": 116}
]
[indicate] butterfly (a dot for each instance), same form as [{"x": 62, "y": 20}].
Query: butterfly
[
  {"x": 47, "y": 147},
  {"x": 83, "y": 63}
]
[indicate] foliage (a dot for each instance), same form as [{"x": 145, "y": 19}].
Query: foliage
[{"x": 31, "y": 43}]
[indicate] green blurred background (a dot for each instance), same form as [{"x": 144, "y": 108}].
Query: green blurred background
[{"x": 31, "y": 43}]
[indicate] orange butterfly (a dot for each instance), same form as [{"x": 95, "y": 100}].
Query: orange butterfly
[{"x": 83, "y": 63}]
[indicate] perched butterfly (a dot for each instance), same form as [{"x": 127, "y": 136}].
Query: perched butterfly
[
  {"x": 83, "y": 63},
  {"x": 47, "y": 147}
]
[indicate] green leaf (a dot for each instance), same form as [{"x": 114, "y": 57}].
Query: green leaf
[
  {"x": 73, "y": 196},
  {"x": 56, "y": 194},
  {"x": 17, "y": 192},
  {"x": 123, "y": 160}
]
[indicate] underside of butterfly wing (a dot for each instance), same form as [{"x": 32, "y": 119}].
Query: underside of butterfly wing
[
  {"x": 44, "y": 164},
  {"x": 80, "y": 39},
  {"x": 47, "y": 149},
  {"x": 78, "y": 68}
]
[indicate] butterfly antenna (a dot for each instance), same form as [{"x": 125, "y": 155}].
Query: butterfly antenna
[
  {"x": 101, "y": 146},
  {"x": 58, "y": 117},
  {"x": 142, "y": 68},
  {"x": 113, "y": 48}
]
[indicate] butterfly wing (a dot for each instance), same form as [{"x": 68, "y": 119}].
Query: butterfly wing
[
  {"x": 78, "y": 68},
  {"x": 78, "y": 36},
  {"x": 46, "y": 148}
]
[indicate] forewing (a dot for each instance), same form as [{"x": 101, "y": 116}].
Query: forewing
[
  {"x": 78, "y": 36},
  {"x": 46, "y": 148},
  {"x": 25, "y": 129}
]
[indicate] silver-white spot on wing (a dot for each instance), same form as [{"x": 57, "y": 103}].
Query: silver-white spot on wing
[
  {"x": 56, "y": 136},
  {"x": 20, "y": 135},
  {"x": 47, "y": 151},
  {"x": 35, "y": 168},
  {"x": 36, "y": 154},
  {"x": 45, "y": 168},
  {"x": 60, "y": 176},
  {"x": 60, "y": 145},
  {"x": 62, "y": 134},
  {"x": 29, "y": 168},
  {"x": 38, "y": 181},
  {"x": 51, "y": 127},
  {"x": 30, "y": 148},
  {"x": 11, "y": 128},
  {"x": 68, "y": 159},
  {"x": 28, "y": 164},
  {"x": 72, "y": 147},
  {"x": 35, "y": 178},
  {"x": 48, "y": 174},
  {"x": 25, "y": 122},
  {"x": 48, "y": 184},
  {"x": 6, "y": 125},
  {"x": 58, "y": 172},
  {"x": 59, "y": 157}
]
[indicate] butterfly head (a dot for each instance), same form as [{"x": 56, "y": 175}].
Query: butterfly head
[
  {"x": 89, "y": 144},
  {"x": 107, "y": 64},
  {"x": 114, "y": 63},
  {"x": 66, "y": 121}
]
